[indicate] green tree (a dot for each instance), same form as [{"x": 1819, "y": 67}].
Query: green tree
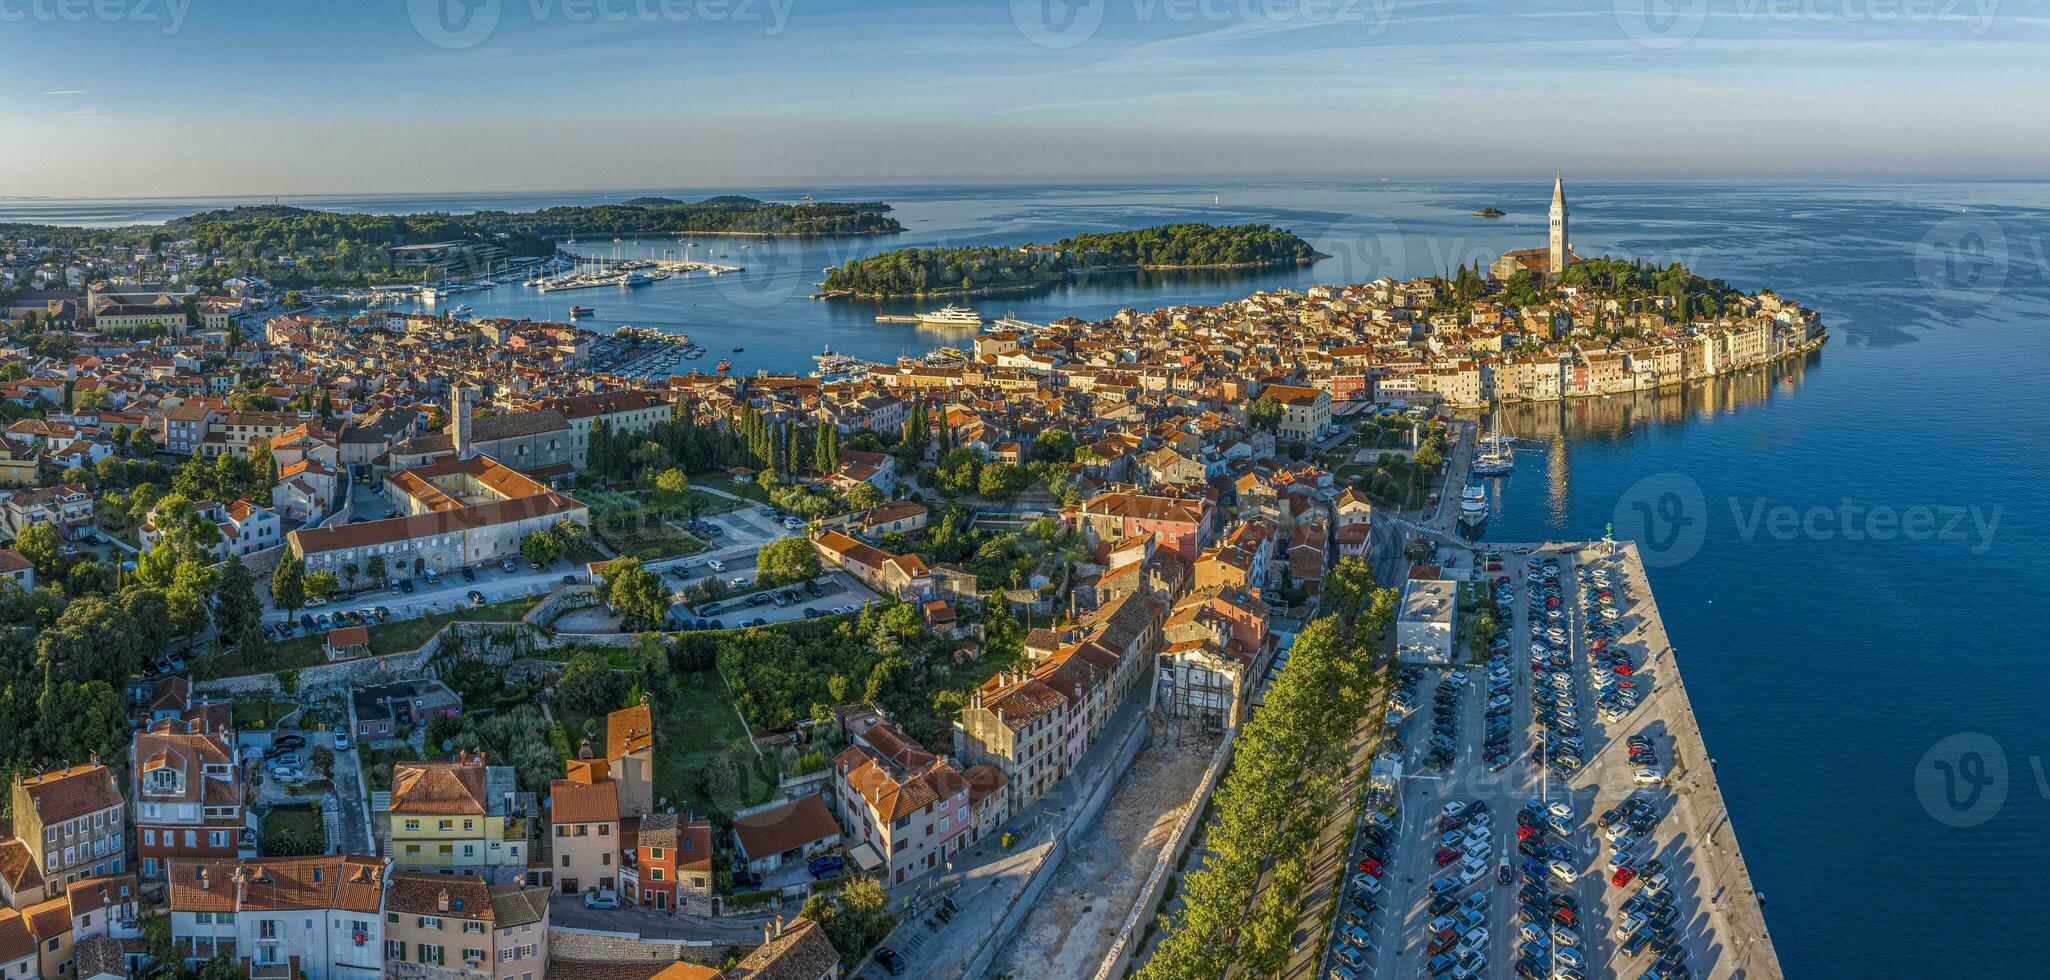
[
  {"x": 43, "y": 546},
  {"x": 321, "y": 585},
  {"x": 542, "y": 546},
  {"x": 92, "y": 638},
  {"x": 1265, "y": 412},
  {"x": 237, "y": 609},
  {"x": 672, "y": 480},
  {"x": 785, "y": 560},
  {"x": 588, "y": 686},
  {"x": 638, "y": 594},
  {"x": 288, "y": 583}
]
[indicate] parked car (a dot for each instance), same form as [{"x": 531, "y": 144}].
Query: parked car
[
  {"x": 824, "y": 863},
  {"x": 602, "y": 898},
  {"x": 891, "y": 961},
  {"x": 476, "y": 598},
  {"x": 716, "y": 565}
]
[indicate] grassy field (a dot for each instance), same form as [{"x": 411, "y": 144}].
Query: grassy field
[
  {"x": 261, "y": 715},
  {"x": 648, "y": 542},
  {"x": 695, "y": 726},
  {"x": 395, "y": 637},
  {"x": 719, "y": 481},
  {"x": 301, "y": 819}
]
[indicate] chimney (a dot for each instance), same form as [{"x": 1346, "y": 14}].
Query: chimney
[
  {"x": 768, "y": 933},
  {"x": 206, "y": 881},
  {"x": 779, "y": 926},
  {"x": 441, "y": 900}
]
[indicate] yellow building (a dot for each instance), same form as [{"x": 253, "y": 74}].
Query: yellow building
[{"x": 456, "y": 817}]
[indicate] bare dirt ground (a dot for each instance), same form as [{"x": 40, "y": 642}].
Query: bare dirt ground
[{"x": 1067, "y": 934}]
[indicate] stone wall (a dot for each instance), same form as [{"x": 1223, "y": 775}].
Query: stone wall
[
  {"x": 498, "y": 643},
  {"x": 1127, "y": 943},
  {"x": 1077, "y": 822}
]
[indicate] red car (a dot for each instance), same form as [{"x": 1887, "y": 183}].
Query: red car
[
  {"x": 1446, "y": 855},
  {"x": 1442, "y": 942},
  {"x": 1622, "y": 877},
  {"x": 1626, "y": 683},
  {"x": 1597, "y": 644},
  {"x": 1370, "y": 866},
  {"x": 1523, "y": 831},
  {"x": 1551, "y": 600},
  {"x": 1623, "y": 669}
]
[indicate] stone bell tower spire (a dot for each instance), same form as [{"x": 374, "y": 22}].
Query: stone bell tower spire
[{"x": 1560, "y": 256}]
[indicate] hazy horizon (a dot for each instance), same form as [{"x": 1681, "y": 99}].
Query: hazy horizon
[{"x": 208, "y": 98}]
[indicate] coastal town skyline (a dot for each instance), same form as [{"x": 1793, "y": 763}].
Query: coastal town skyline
[{"x": 1068, "y": 489}]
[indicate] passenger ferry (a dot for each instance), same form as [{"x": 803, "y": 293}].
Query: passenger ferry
[
  {"x": 1473, "y": 504},
  {"x": 951, "y": 316}
]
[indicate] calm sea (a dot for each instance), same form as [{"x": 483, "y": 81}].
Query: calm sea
[{"x": 1842, "y": 548}]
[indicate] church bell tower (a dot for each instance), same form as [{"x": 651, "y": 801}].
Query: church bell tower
[{"x": 1560, "y": 256}]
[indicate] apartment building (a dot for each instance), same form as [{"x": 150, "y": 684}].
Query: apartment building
[
  {"x": 440, "y": 927},
  {"x": 188, "y": 795},
  {"x": 317, "y": 918},
  {"x": 905, "y": 809},
  {"x": 1305, "y": 412},
  {"x": 456, "y": 817},
  {"x": 72, "y": 823}
]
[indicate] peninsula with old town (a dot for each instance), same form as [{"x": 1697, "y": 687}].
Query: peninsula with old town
[{"x": 350, "y": 644}]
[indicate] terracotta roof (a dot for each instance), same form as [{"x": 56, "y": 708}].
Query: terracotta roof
[
  {"x": 802, "y": 952},
  {"x": 71, "y": 792},
  {"x": 348, "y": 636},
  {"x": 570, "y": 801},
  {"x": 802, "y": 821},
  {"x": 422, "y": 893},
  {"x": 439, "y": 788},
  {"x": 351, "y": 883},
  {"x": 15, "y": 941},
  {"x": 18, "y": 867},
  {"x": 518, "y": 905},
  {"x": 629, "y": 730}
]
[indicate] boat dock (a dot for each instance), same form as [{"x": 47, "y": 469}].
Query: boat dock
[{"x": 897, "y": 318}]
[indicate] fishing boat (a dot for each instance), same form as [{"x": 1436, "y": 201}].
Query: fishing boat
[
  {"x": 737, "y": 350},
  {"x": 458, "y": 310},
  {"x": 723, "y": 366},
  {"x": 577, "y": 311}
]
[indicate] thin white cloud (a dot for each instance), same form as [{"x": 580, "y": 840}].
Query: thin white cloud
[{"x": 66, "y": 91}]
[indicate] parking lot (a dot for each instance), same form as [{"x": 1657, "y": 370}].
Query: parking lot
[{"x": 1512, "y": 872}]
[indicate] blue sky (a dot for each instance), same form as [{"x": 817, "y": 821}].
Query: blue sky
[{"x": 170, "y": 97}]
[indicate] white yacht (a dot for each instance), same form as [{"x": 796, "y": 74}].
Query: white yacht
[
  {"x": 1494, "y": 457},
  {"x": 951, "y": 316},
  {"x": 1473, "y": 503}
]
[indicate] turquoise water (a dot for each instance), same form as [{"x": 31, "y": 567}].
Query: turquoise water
[{"x": 1841, "y": 547}]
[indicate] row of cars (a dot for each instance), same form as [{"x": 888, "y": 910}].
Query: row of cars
[
  {"x": 1457, "y": 946},
  {"x": 1614, "y": 672},
  {"x": 1648, "y": 922},
  {"x": 1373, "y": 858},
  {"x": 1549, "y": 944},
  {"x": 1554, "y": 702}
]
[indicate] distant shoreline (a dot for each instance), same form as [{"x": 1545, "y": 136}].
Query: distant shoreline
[{"x": 957, "y": 292}]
